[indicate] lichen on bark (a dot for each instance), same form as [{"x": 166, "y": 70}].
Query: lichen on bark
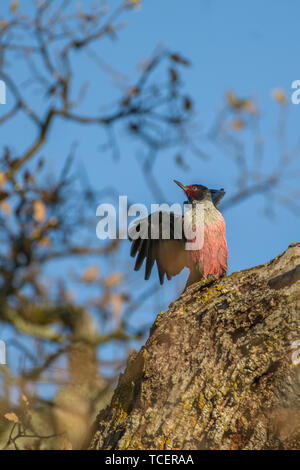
[{"x": 216, "y": 371}]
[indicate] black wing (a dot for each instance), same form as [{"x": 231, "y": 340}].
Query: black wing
[{"x": 159, "y": 238}]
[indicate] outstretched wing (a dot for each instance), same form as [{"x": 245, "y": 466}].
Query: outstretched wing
[{"x": 157, "y": 239}]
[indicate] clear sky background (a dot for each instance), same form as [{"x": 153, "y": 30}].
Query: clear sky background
[{"x": 251, "y": 47}]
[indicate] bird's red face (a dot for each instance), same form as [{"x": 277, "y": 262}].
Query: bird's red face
[
  {"x": 194, "y": 191},
  {"x": 199, "y": 192}
]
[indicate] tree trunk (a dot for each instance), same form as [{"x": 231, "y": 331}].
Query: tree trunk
[{"x": 220, "y": 369}]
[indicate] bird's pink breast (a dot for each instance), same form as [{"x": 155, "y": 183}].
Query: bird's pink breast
[{"x": 212, "y": 257}]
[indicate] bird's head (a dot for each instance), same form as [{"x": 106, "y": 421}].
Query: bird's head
[{"x": 197, "y": 192}]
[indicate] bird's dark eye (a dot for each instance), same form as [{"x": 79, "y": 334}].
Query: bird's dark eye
[{"x": 194, "y": 188}]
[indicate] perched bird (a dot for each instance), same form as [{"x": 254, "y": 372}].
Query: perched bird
[{"x": 171, "y": 255}]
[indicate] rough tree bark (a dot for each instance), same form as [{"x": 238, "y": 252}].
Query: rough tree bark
[{"x": 218, "y": 371}]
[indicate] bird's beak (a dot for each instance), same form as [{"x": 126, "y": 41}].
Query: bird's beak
[{"x": 182, "y": 186}]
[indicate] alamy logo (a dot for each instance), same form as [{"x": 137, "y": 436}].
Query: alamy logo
[
  {"x": 158, "y": 227},
  {"x": 296, "y": 94},
  {"x": 296, "y": 354},
  {"x": 2, "y": 352},
  {"x": 2, "y": 92}
]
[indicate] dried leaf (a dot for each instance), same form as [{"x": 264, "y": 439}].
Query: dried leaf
[
  {"x": 66, "y": 445},
  {"x": 238, "y": 104},
  {"x": 238, "y": 124},
  {"x": 14, "y": 6},
  {"x": 136, "y": 3},
  {"x": 187, "y": 103},
  {"x": 24, "y": 399},
  {"x": 133, "y": 91},
  {"x": 28, "y": 178},
  {"x": 53, "y": 222},
  {"x": 117, "y": 303},
  {"x": 12, "y": 417},
  {"x": 39, "y": 211},
  {"x": 44, "y": 241},
  {"x": 231, "y": 99},
  {"x": 126, "y": 101},
  {"x": 3, "y": 195},
  {"x": 279, "y": 96},
  {"x": 133, "y": 126},
  {"x": 2, "y": 178},
  {"x": 173, "y": 75},
  {"x": 113, "y": 279},
  {"x": 5, "y": 207},
  {"x": 250, "y": 107},
  {"x": 179, "y": 59},
  {"x": 90, "y": 274}
]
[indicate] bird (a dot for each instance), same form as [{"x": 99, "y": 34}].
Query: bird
[{"x": 208, "y": 260}]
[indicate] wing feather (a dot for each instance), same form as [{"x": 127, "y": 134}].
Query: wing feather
[{"x": 167, "y": 253}]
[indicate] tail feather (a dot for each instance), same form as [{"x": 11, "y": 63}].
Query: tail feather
[
  {"x": 150, "y": 259},
  {"x": 142, "y": 254},
  {"x": 135, "y": 246}
]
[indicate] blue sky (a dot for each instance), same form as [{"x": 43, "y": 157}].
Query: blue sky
[{"x": 251, "y": 47}]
